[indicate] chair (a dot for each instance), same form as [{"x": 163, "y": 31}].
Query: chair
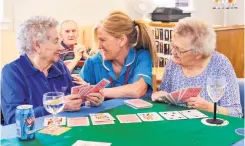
[
  {"x": 241, "y": 89},
  {"x": 2, "y": 120}
]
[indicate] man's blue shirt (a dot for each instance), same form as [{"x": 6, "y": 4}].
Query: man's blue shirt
[{"x": 22, "y": 83}]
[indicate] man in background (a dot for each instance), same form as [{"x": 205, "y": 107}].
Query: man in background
[{"x": 74, "y": 54}]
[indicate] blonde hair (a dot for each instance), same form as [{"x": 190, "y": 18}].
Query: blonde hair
[
  {"x": 203, "y": 35},
  {"x": 139, "y": 33}
]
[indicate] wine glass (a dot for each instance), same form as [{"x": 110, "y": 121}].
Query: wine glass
[
  {"x": 53, "y": 102},
  {"x": 215, "y": 89}
]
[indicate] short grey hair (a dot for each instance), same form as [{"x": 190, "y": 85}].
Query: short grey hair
[
  {"x": 203, "y": 35},
  {"x": 67, "y": 21},
  {"x": 34, "y": 29}
]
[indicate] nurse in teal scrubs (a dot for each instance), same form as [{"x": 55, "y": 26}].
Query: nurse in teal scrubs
[{"x": 127, "y": 51}]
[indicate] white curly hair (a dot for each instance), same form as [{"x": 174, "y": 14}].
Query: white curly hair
[
  {"x": 203, "y": 35},
  {"x": 34, "y": 29}
]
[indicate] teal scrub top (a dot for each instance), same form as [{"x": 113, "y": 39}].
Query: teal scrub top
[{"x": 139, "y": 63}]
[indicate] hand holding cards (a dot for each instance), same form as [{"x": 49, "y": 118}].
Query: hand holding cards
[
  {"x": 85, "y": 89},
  {"x": 180, "y": 96}
]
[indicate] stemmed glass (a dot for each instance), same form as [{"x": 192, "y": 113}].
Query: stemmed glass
[
  {"x": 53, "y": 102},
  {"x": 215, "y": 89}
]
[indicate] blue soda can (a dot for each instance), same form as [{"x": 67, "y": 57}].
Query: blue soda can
[{"x": 25, "y": 122}]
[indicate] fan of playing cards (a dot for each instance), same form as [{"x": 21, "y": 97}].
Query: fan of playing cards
[
  {"x": 86, "y": 89},
  {"x": 180, "y": 96}
]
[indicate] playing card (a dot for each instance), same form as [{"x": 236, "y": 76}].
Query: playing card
[
  {"x": 166, "y": 99},
  {"x": 153, "y": 116},
  {"x": 191, "y": 92},
  {"x": 182, "y": 91},
  {"x": 78, "y": 121},
  {"x": 90, "y": 143},
  {"x": 78, "y": 89},
  {"x": 192, "y": 114},
  {"x": 130, "y": 118},
  {"x": 138, "y": 103},
  {"x": 52, "y": 130},
  {"x": 175, "y": 95},
  {"x": 171, "y": 99},
  {"x": 84, "y": 90},
  {"x": 100, "y": 117},
  {"x": 102, "y": 122},
  {"x": 172, "y": 115},
  {"x": 102, "y": 84},
  {"x": 75, "y": 90},
  {"x": 59, "y": 121}
]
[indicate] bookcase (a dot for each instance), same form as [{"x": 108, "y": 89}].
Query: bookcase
[
  {"x": 162, "y": 33},
  {"x": 162, "y": 37}
]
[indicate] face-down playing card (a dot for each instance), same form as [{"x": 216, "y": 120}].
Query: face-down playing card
[
  {"x": 130, "y": 118},
  {"x": 78, "y": 121},
  {"x": 138, "y": 103}
]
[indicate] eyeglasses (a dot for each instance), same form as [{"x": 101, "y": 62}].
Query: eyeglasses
[{"x": 177, "y": 49}]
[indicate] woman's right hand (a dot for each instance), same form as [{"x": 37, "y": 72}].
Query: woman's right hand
[{"x": 157, "y": 96}]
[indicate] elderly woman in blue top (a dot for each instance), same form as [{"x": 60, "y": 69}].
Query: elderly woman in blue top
[
  {"x": 127, "y": 50},
  {"x": 194, "y": 60},
  {"x": 37, "y": 71}
]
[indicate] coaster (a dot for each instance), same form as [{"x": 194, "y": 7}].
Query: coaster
[
  {"x": 240, "y": 131},
  {"x": 225, "y": 123}
]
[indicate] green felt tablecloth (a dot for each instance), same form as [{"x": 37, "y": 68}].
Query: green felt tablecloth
[{"x": 180, "y": 132}]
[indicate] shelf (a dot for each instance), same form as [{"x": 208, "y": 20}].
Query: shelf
[
  {"x": 225, "y": 8},
  {"x": 161, "y": 55}
]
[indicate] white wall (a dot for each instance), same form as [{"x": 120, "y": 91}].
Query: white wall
[
  {"x": 236, "y": 16},
  {"x": 91, "y": 11},
  {"x": 204, "y": 11},
  {"x": 87, "y": 12}
]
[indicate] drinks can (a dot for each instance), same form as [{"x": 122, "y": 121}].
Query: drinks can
[{"x": 25, "y": 122}]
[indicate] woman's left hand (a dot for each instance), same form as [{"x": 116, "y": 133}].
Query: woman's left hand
[
  {"x": 78, "y": 80},
  {"x": 197, "y": 103},
  {"x": 95, "y": 99}
]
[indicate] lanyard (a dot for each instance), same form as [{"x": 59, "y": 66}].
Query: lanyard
[{"x": 126, "y": 78}]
